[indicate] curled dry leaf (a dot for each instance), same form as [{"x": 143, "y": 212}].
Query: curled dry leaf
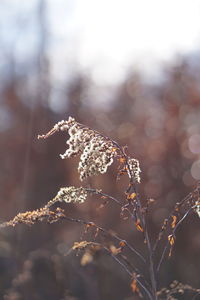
[
  {"x": 138, "y": 225},
  {"x": 134, "y": 286},
  {"x": 171, "y": 239},
  {"x": 131, "y": 196},
  {"x": 173, "y": 224}
]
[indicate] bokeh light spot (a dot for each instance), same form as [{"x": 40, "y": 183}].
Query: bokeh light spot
[
  {"x": 194, "y": 143},
  {"x": 195, "y": 170}
]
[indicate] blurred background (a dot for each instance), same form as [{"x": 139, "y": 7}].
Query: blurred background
[{"x": 130, "y": 69}]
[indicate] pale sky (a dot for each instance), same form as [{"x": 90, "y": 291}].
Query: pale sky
[
  {"x": 104, "y": 37},
  {"x": 111, "y": 35}
]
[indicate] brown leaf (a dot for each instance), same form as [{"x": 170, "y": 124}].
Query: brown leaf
[
  {"x": 171, "y": 239},
  {"x": 88, "y": 226},
  {"x": 122, "y": 160},
  {"x": 138, "y": 226},
  {"x": 131, "y": 196},
  {"x": 134, "y": 286},
  {"x": 122, "y": 244},
  {"x": 174, "y": 219},
  {"x": 170, "y": 252}
]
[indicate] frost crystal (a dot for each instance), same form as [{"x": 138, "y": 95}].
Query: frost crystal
[{"x": 72, "y": 194}]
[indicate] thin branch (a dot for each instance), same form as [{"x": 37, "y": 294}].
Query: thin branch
[
  {"x": 131, "y": 274},
  {"x": 114, "y": 256},
  {"x": 173, "y": 234},
  {"x": 177, "y": 206},
  {"x": 194, "y": 297},
  {"x": 135, "y": 269},
  {"x": 119, "y": 204},
  {"x": 105, "y": 232},
  {"x": 139, "y": 212},
  {"x": 94, "y": 191}
]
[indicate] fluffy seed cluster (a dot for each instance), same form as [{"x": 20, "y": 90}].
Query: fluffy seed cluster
[
  {"x": 71, "y": 194},
  {"x": 198, "y": 208},
  {"x": 96, "y": 151},
  {"x": 96, "y": 157},
  {"x": 134, "y": 169}
]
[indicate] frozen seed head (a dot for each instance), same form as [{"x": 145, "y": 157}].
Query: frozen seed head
[
  {"x": 134, "y": 169},
  {"x": 71, "y": 195}
]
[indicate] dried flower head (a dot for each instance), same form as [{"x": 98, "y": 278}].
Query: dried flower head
[
  {"x": 134, "y": 169},
  {"x": 175, "y": 290},
  {"x": 96, "y": 151},
  {"x": 38, "y": 215},
  {"x": 71, "y": 194},
  {"x": 198, "y": 208}
]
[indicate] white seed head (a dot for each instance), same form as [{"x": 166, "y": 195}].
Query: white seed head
[
  {"x": 134, "y": 169},
  {"x": 72, "y": 194},
  {"x": 96, "y": 153},
  {"x": 198, "y": 208}
]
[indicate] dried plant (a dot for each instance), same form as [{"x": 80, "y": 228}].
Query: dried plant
[
  {"x": 97, "y": 153},
  {"x": 176, "y": 288}
]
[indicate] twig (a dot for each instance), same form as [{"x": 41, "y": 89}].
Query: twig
[
  {"x": 173, "y": 234},
  {"x": 177, "y": 206}
]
